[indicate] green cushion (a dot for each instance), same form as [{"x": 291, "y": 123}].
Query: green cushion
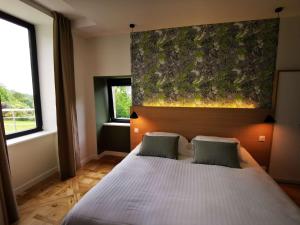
[
  {"x": 159, "y": 146},
  {"x": 216, "y": 153}
]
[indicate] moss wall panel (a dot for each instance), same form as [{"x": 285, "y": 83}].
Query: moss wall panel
[{"x": 217, "y": 65}]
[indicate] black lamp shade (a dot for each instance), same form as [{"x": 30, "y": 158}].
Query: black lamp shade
[
  {"x": 269, "y": 119},
  {"x": 134, "y": 115}
]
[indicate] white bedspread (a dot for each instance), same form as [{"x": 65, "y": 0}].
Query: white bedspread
[{"x": 157, "y": 191}]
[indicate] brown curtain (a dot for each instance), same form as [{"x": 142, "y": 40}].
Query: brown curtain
[
  {"x": 68, "y": 148},
  {"x": 8, "y": 206}
]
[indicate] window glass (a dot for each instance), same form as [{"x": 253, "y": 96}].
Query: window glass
[
  {"x": 119, "y": 96},
  {"x": 16, "y": 79},
  {"x": 121, "y": 101}
]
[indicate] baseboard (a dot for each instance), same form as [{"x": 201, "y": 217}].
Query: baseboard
[
  {"x": 284, "y": 181},
  {"x": 43, "y": 176},
  {"x": 35, "y": 180},
  {"x": 102, "y": 154},
  {"x": 87, "y": 159},
  {"x": 112, "y": 153}
]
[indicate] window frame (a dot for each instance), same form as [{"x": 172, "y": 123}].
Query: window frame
[
  {"x": 116, "y": 82},
  {"x": 34, "y": 74}
]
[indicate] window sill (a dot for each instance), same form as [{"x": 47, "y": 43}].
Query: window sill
[
  {"x": 28, "y": 137},
  {"x": 117, "y": 124}
]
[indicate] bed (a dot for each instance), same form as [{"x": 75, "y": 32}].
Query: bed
[{"x": 158, "y": 191}]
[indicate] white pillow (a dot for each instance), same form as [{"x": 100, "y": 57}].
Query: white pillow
[
  {"x": 247, "y": 159},
  {"x": 184, "y": 147},
  {"x": 222, "y": 139}
]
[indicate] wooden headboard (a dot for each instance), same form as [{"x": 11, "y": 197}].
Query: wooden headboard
[{"x": 244, "y": 124}]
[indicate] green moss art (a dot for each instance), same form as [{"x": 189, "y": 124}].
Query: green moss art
[{"x": 217, "y": 65}]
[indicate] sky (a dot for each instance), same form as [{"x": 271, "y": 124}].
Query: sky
[{"x": 15, "y": 69}]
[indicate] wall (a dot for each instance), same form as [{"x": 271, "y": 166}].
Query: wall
[
  {"x": 101, "y": 107},
  {"x": 226, "y": 65},
  {"x": 286, "y": 144},
  {"x": 32, "y": 160},
  {"x": 33, "y": 157},
  {"x": 289, "y": 45},
  {"x": 287, "y": 59},
  {"x": 110, "y": 55},
  {"x": 44, "y": 41},
  {"x": 112, "y": 137},
  {"x": 244, "y": 124},
  {"x": 103, "y": 56},
  {"x": 84, "y": 99}
]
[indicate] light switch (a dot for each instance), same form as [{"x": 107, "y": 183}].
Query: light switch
[
  {"x": 262, "y": 138},
  {"x": 136, "y": 130}
]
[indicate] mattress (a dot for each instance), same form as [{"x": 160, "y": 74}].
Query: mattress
[{"x": 157, "y": 191}]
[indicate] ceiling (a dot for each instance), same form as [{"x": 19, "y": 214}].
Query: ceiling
[
  {"x": 25, "y": 12},
  {"x": 107, "y": 17}
]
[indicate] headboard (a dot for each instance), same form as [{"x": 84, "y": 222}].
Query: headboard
[{"x": 245, "y": 124}]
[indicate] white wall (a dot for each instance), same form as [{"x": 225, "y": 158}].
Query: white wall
[
  {"x": 110, "y": 55},
  {"x": 44, "y": 41},
  {"x": 84, "y": 96},
  {"x": 32, "y": 160},
  {"x": 103, "y": 56},
  {"x": 33, "y": 157}
]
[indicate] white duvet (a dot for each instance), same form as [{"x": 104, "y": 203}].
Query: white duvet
[{"x": 149, "y": 190}]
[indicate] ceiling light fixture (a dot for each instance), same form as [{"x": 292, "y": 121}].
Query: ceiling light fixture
[
  {"x": 278, "y": 10},
  {"x": 132, "y": 26}
]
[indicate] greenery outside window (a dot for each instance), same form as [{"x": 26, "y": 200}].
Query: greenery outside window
[
  {"x": 119, "y": 96},
  {"x": 19, "y": 83}
]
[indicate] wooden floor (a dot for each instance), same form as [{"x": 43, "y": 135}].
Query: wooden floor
[
  {"x": 48, "y": 202},
  {"x": 293, "y": 191}
]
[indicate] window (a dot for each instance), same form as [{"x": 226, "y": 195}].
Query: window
[
  {"x": 119, "y": 95},
  {"x": 19, "y": 84}
]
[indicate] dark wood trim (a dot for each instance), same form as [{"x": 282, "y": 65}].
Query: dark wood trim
[{"x": 34, "y": 71}]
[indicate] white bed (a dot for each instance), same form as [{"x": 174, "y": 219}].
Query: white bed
[{"x": 157, "y": 191}]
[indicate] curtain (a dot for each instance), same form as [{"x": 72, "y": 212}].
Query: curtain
[
  {"x": 8, "y": 206},
  {"x": 68, "y": 147}
]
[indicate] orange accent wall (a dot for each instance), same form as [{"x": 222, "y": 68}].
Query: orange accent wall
[{"x": 244, "y": 124}]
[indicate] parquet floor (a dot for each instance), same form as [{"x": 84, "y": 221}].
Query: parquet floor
[{"x": 49, "y": 201}]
